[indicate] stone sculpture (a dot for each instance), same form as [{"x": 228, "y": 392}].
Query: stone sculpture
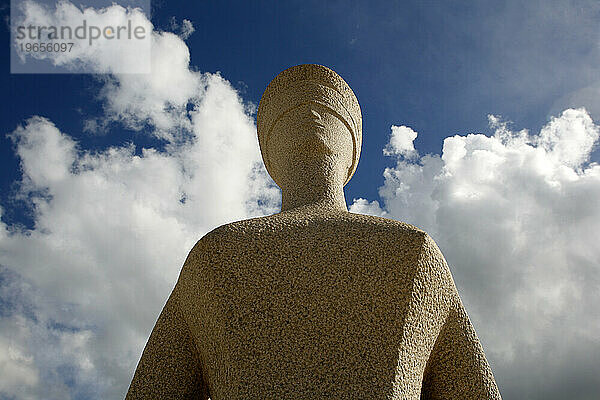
[{"x": 314, "y": 302}]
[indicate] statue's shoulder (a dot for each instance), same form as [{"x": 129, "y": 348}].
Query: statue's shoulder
[
  {"x": 385, "y": 223},
  {"x": 218, "y": 242},
  {"x": 408, "y": 239},
  {"x": 348, "y": 220},
  {"x": 246, "y": 227},
  {"x": 283, "y": 220},
  {"x": 233, "y": 231},
  {"x": 367, "y": 227},
  {"x": 392, "y": 229}
]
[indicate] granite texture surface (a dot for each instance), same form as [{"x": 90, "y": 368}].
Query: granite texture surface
[{"x": 314, "y": 302}]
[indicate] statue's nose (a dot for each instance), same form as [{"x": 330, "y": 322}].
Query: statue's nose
[{"x": 316, "y": 117}]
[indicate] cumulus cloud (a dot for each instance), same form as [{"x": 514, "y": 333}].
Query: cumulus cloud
[
  {"x": 91, "y": 50},
  {"x": 159, "y": 97},
  {"x": 588, "y": 97},
  {"x": 516, "y": 216},
  {"x": 514, "y": 213},
  {"x": 187, "y": 28},
  {"x": 401, "y": 142},
  {"x": 81, "y": 290}
]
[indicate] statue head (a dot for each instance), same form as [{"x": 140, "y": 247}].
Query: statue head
[{"x": 308, "y": 114}]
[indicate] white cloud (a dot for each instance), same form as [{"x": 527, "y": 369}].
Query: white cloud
[
  {"x": 81, "y": 290},
  {"x": 93, "y": 53},
  {"x": 517, "y": 219},
  {"x": 363, "y": 206},
  {"x": 514, "y": 214},
  {"x": 569, "y": 139},
  {"x": 587, "y": 96},
  {"x": 16, "y": 362},
  {"x": 160, "y": 98},
  {"x": 401, "y": 142},
  {"x": 187, "y": 28}
]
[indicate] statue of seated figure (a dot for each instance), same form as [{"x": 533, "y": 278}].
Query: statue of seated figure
[{"x": 314, "y": 302}]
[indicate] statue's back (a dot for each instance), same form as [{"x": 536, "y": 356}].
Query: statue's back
[{"x": 312, "y": 307}]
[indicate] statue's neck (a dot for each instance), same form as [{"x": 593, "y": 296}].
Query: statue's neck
[{"x": 314, "y": 196}]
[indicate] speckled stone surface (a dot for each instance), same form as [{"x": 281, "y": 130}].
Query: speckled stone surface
[{"x": 313, "y": 302}]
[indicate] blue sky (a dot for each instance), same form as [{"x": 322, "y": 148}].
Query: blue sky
[
  {"x": 437, "y": 67},
  {"x": 513, "y": 211}
]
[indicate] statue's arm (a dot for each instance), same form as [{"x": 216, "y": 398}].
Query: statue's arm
[
  {"x": 457, "y": 367},
  {"x": 170, "y": 366}
]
